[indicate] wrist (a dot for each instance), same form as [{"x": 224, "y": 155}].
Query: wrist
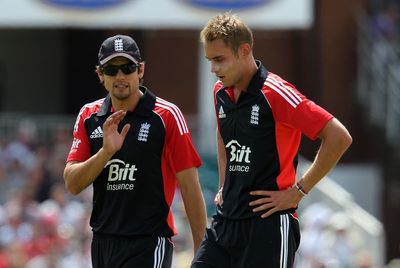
[
  {"x": 300, "y": 189},
  {"x": 105, "y": 154}
]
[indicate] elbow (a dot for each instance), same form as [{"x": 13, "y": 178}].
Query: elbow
[
  {"x": 71, "y": 187},
  {"x": 348, "y": 140},
  {"x": 345, "y": 140}
]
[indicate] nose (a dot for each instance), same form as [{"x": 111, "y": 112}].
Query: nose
[{"x": 120, "y": 74}]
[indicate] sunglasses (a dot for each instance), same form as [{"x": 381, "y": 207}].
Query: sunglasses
[{"x": 112, "y": 70}]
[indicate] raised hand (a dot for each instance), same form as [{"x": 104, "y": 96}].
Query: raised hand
[{"x": 112, "y": 139}]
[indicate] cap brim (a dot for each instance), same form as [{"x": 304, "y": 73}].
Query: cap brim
[{"x": 129, "y": 57}]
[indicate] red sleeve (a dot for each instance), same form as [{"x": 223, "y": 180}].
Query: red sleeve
[
  {"x": 179, "y": 145},
  {"x": 290, "y": 107},
  {"x": 80, "y": 149}
]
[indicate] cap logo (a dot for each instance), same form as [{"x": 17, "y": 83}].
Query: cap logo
[{"x": 118, "y": 45}]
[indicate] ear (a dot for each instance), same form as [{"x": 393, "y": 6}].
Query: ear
[
  {"x": 100, "y": 74},
  {"x": 141, "y": 70},
  {"x": 245, "y": 50}
]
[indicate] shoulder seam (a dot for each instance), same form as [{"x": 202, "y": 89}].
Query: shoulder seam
[{"x": 176, "y": 113}]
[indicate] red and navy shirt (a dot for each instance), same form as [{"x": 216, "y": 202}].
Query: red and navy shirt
[
  {"x": 134, "y": 192},
  {"x": 261, "y": 133}
]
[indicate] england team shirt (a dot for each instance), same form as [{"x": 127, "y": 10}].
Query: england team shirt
[
  {"x": 261, "y": 133},
  {"x": 134, "y": 192}
]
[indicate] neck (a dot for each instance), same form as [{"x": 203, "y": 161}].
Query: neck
[
  {"x": 248, "y": 71},
  {"x": 128, "y": 104}
]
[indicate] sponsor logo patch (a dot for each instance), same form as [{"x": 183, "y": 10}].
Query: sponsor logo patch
[
  {"x": 75, "y": 143},
  {"x": 121, "y": 175},
  {"x": 221, "y": 113},
  {"x": 239, "y": 156},
  {"x": 97, "y": 133}
]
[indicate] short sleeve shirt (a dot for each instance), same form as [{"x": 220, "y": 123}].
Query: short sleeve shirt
[
  {"x": 134, "y": 192},
  {"x": 261, "y": 132}
]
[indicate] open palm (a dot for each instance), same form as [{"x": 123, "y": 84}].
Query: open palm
[{"x": 112, "y": 139}]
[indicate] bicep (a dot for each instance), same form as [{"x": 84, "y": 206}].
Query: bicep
[
  {"x": 187, "y": 177},
  {"x": 333, "y": 128}
]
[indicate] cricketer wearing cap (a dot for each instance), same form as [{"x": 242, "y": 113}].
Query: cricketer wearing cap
[{"x": 133, "y": 147}]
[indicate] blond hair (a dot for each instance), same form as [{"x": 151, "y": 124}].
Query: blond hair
[{"x": 230, "y": 29}]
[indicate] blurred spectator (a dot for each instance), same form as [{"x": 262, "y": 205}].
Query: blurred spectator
[
  {"x": 315, "y": 224},
  {"x": 3, "y": 257},
  {"x": 364, "y": 260},
  {"x": 328, "y": 241},
  {"x": 340, "y": 248},
  {"x": 386, "y": 22},
  {"x": 15, "y": 230},
  {"x": 3, "y": 181},
  {"x": 67, "y": 210},
  {"x": 16, "y": 255},
  {"x": 19, "y": 150}
]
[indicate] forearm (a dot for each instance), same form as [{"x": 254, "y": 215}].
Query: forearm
[
  {"x": 196, "y": 214},
  {"x": 222, "y": 160},
  {"x": 194, "y": 204},
  {"x": 79, "y": 175}
]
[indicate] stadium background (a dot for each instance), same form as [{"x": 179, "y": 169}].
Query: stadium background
[{"x": 342, "y": 54}]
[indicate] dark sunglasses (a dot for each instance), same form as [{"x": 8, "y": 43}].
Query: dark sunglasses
[{"x": 112, "y": 70}]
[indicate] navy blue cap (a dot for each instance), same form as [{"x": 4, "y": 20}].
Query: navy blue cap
[{"x": 119, "y": 46}]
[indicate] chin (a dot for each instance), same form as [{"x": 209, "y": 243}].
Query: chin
[
  {"x": 225, "y": 84},
  {"x": 121, "y": 97}
]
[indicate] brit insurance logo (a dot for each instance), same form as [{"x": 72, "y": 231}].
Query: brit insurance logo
[
  {"x": 227, "y": 4},
  {"x": 84, "y": 4},
  {"x": 75, "y": 143},
  {"x": 121, "y": 175},
  {"x": 239, "y": 156}
]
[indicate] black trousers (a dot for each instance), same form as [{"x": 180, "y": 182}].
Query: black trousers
[
  {"x": 131, "y": 252},
  {"x": 249, "y": 243}
]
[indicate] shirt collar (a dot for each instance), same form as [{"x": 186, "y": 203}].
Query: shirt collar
[
  {"x": 257, "y": 82},
  {"x": 144, "y": 107}
]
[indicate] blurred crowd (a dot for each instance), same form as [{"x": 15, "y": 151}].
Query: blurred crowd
[
  {"x": 328, "y": 240},
  {"x": 41, "y": 226}
]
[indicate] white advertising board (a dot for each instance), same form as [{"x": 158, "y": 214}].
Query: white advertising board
[{"x": 153, "y": 14}]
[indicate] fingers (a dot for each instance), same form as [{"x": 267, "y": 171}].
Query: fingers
[
  {"x": 125, "y": 130},
  {"x": 259, "y": 192},
  {"x": 263, "y": 207},
  {"x": 260, "y": 201},
  {"x": 268, "y": 201},
  {"x": 114, "y": 119},
  {"x": 269, "y": 213}
]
